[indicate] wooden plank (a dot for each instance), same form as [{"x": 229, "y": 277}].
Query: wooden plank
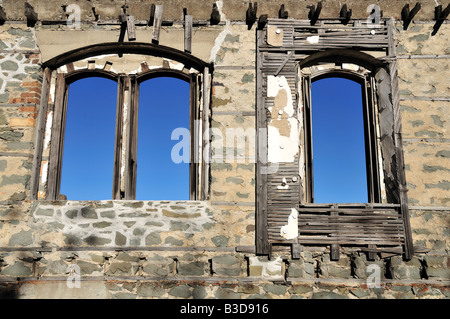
[
  {"x": 40, "y": 134},
  {"x": 131, "y": 28},
  {"x": 131, "y": 158},
  {"x": 188, "y": 34},
  {"x": 57, "y": 138},
  {"x": 206, "y": 151},
  {"x": 157, "y": 20},
  {"x": 262, "y": 238},
  {"x": 117, "y": 193}
]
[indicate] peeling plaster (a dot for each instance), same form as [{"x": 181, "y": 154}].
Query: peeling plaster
[
  {"x": 283, "y": 133},
  {"x": 221, "y": 37},
  {"x": 290, "y": 231},
  {"x": 270, "y": 269},
  {"x": 313, "y": 39}
]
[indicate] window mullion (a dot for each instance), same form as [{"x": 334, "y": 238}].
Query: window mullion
[
  {"x": 131, "y": 96},
  {"x": 117, "y": 192}
]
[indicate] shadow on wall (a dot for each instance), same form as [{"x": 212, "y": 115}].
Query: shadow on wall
[{"x": 9, "y": 291}]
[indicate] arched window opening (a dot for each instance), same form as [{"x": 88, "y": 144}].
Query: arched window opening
[
  {"x": 88, "y": 153},
  {"x": 163, "y": 140},
  {"x": 338, "y": 141}
]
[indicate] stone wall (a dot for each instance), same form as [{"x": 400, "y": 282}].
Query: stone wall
[{"x": 205, "y": 249}]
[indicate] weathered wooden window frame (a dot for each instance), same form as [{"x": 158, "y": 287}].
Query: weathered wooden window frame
[
  {"x": 370, "y": 131},
  {"x": 282, "y": 46},
  {"x": 124, "y": 186}
]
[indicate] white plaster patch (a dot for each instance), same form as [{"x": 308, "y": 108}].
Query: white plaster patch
[
  {"x": 271, "y": 269},
  {"x": 283, "y": 148},
  {"x": 313, "y": 39},
  {"x": 48, "y": 129},
  {"x": 290, "y": 231},
  {"x": 277, "y": 83},
  {"x": 221, "y": 37}
]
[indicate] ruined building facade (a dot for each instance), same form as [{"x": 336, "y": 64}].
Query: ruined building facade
[{"x": 251, "y": 228}]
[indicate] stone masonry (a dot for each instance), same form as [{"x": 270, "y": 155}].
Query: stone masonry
[{"x": 206, "y": 249}]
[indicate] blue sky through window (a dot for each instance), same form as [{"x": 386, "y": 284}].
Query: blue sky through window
[
  {"x": 163, "y": 107},
  {"x": 88, "y": 159},
  {"x": 339, "y": 165}
]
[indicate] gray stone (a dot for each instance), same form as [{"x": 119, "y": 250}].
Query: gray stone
[
  {"x": 72, "y": 213},
  {"x": 155, "y": 269},
  {"x": 192, "y": 269},
  {"x": 108, "y": 214},
  {"x": 24, "y": 238},
  {"x": 176, "y": 225},
  {"x": 199, "y": 292},
  {"x": 9, "y": 66},
  {"x": 119, "y": 268},
  {"x": 11, "y": 136},
  {"x": 127, "y": 257},
  {"x": 28, "y": 43},
  {"x": 275, "y": 289},
  {"x": 234, "y": 180},
  {"x": 89, "y": 212},
  {"x": 173, "y": 241},
  {"x": 327, "y": 295},
  {"x": 18, "y": 269},
  {"x": 180, "y": 291},
  {"x": 150, "y": 289},
  {"x": 224, "y": 293},
  {"x": 94, "y": 240},
  {"x": 101, "y": 224},
  {"x": 220, "y": 241},
  {"x": 71, "y": 239},
  {"x": 153, "y": 239},
  {"x": 87, "y": 267},
  {"x": 121, "y": 239},
  {"x": 15, "y": 179}
]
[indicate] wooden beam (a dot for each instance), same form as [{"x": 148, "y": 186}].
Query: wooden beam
[
  {"x": 117, "y": 176},
  {"x": 157, "y": 24},
  {"x": 314, "y": 13},
  {"x": 250, "y": 14},
  {"x": 282, "y": 14},
  {"x": 188, "y": 34},
  {"x": 334, "y": 250},
  {"x": 152, "y": 15},
  {"x": 440, "y": 16},
  {"x": 40, "y": 134},
  {"x": 30, "y": 14},
  {"x": 131, "y": 29},
  {"x": 407, "y": 15},
  {"x": 2, "y": 16},
  {"x": 345, "y": 15},
  {"x": 206, "y": 133},
  {"x": 262, "y": 233},
  {"x": 215, "y": 15}
]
